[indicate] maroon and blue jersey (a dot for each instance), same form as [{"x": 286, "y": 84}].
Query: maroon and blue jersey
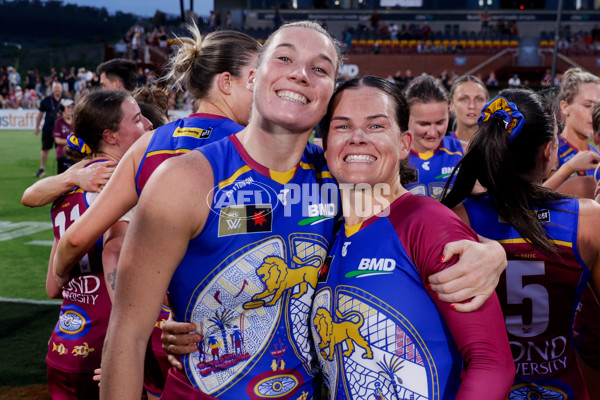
[
  {"x": 77, "y": 340},
  {"x": 434, "y": 167},
  {"x": 247, "y": 280},
  {"x": 378, "y": 332},
  {"x": 539, "y": 295},
  {"x": 566, "y": 151},
  {"x": 179, "y": 137}
]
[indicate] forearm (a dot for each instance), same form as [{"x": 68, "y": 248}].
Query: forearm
[
  {"x": 113, "y": 242},
  {"x": 37, "y": 121},
  {"x": 52, "y": 289},
  {"x": 558, "y": 177},
  {"x": 122, "y": 364},
  {"x": 46, "y": 190},
  {"x": 75, "y": 242}
]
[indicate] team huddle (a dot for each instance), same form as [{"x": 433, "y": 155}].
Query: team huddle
[{"x": 228, "y": 257}]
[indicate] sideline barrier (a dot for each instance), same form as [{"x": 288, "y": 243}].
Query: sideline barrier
[{"x": 18, "y": 119}]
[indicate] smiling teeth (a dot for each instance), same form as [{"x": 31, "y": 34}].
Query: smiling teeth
[
  {"x": 359, "y": 158},
  {"x": 284, "y": 94}
]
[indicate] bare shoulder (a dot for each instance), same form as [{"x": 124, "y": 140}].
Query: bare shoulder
[{"x": 138, "y": 149}]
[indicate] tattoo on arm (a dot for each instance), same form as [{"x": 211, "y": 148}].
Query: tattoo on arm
[{"x": 112, "y": 279}]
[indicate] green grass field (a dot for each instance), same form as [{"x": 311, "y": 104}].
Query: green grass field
[{"x": 24, "y": 327}]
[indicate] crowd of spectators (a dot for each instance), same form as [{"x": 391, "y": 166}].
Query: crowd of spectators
[
  {"x": 138, "y": 41},
  {"x": 580, "y": 42}
]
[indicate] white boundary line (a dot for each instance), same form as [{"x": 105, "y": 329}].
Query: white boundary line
[{"x": 28, "y": 301}]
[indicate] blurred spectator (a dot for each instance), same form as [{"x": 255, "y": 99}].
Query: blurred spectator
[
  {"x": 162, "y": 38},
  {"x": 547, "y": 78},
  {"x": 425, "y": 30},
  {"x": 514, "y": 81},
  {"x": 453, "y": 77},
  {"x": 596, "y": 33},
  {"x": 30, "y": 79},
  {"x": 347, "y": 39},
  {"x": 118, "y": 73},
  {"x": 501, "y": 26},
  {"x": 63, "y": 126},
  {"x": 383, "y": 31},
  {"x": 491, "y": 81},
  {"x": 15, "y": 97},
  {"x": 228, "y": 20},
  {"x": 141, "y": 77},
  {"x": 14, "y": 78},
  {"x": 70, "y": 79},
  {"x": 48, "y": 107},
  {"x": 3, "y": 82},
  {"x": 563, "y": 45},
  {"x": 398, "y": 78},
  {"x": 444, "y": 78},
  {"x": 31, "y": 99},
  {"x": 513, "y": 30},
  {"x": 485, "y": 20},
  {"x": 212, "y": 21},
  {"x": 374, "y": 20},
  {"x": 394, "y": 31},
  {"x": 408, "y": 76}
]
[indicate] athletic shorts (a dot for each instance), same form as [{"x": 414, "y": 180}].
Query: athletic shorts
[
  {"x": 177, "y": 387},
  {"x": 71, "y": 385},
  {"x": 586, "y": 329},
  {"x": 47, "y": 139}
]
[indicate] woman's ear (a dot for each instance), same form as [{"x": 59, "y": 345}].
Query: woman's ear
[
  {"x": 224, "y": 82},
  {"x": 109, "y": 136},
  {"x": 406, "y": 139},
  {"x": 548, "y": 149},
  {"x": 563, "y": 108},
  {"x": 251, "y": 79}
]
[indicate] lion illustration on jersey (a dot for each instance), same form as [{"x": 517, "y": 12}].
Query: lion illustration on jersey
[
  {"x": 278, "y": 277},
  {"x": 346, "y": 330}
]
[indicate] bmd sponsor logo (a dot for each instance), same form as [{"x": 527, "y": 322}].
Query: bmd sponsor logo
[{"x": 373, "y": 266}]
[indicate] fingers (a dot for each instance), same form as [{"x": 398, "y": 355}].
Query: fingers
[
  {"x": 471, "y": 305},
  {"x": 174, "y": 361},
  {"x": 455, "y": 249},
  {"x": 179, "y": 349},
  {"x": 173, "y": 327},
  {"x": 445, "y": 276},
  {"x": 177, "y": 338},
  {"x": 97, "y": 375}
]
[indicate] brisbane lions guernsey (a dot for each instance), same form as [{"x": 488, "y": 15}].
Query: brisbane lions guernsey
[
  {"x": 247, "y": 280},
  {"x": 434, "y": 167},
  {"x": 179, "y": 137},
  {"x": 566, "y": 152},
  {"x": 77, "y": 340},
  {"x": 539, "y": 295},
  {"x": 378, "y": 332}
]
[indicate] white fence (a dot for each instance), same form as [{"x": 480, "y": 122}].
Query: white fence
[{"x": 19, "y": 119}]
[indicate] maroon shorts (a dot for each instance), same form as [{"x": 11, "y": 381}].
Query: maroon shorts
[
  {"x": 586, "y": 329},
  {"x": 177, "y": 387},
  {"x": 156, "y": 364},
  {"x": 71, "y": 385}
]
